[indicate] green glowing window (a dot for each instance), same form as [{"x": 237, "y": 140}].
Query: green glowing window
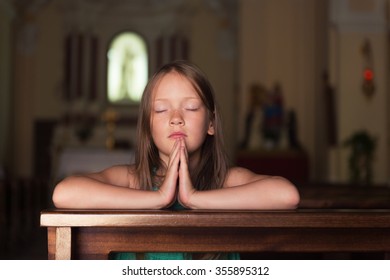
[{"x": 127, "y": 68}]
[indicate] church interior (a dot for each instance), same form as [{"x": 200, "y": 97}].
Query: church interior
[{"x": 302, "y": 85}]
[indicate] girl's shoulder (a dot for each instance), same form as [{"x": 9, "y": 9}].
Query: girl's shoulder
[
  {"x": 239, "y": 175},
  {"x": 119, "y": 170},
  {"x": 119, "y": 175}
]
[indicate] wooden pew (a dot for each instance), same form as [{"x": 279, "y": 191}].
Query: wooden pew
[
  {"x": 341, "y": 196},
  {"x": 87, "y": 234}
]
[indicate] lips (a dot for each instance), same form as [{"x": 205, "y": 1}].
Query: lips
[{"x": 177, "y": 135}]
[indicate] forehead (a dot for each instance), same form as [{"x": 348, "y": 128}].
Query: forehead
[{"x": 174, "y": 85}]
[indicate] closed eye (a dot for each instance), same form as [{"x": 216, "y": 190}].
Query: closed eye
[{"x": 192, "y": 109}]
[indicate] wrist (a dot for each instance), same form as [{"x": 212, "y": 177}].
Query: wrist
[
  {"x": 166, "y": 199},
  {"x": 190, "y": 200}
]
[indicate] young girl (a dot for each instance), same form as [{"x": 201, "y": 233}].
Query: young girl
[{"x": 180, "y": 161}]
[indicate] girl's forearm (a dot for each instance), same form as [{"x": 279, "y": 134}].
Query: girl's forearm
[
  {"x": 79, "y": 192},
  {"x": 266, "y": 194}
]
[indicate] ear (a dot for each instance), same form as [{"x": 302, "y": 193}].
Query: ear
[{"x": 211, "y": 130}]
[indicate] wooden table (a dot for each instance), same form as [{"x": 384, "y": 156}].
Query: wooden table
[{"x": 93, "y": 234}]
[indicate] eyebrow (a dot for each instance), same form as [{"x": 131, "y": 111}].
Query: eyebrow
[{"x": 186, "y": 98}]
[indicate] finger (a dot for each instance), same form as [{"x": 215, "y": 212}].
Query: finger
[
  {"x": 173, "y": 157},
  {"x": 183, "y": 153},
  {"x": 170, "y": 181},
  {"x": 185, "y": 149},
  {"x": 183, "y": 159}
]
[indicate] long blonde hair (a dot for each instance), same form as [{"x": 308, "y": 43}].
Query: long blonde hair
[{"x": 213, "y": 166}]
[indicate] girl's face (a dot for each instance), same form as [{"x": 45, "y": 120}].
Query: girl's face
[{"x": 178, "y": 112}]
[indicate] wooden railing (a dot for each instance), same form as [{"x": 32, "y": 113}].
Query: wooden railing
[{"x": 94, "y": 234}]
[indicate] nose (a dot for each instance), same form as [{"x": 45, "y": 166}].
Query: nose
[{"x": 176, "y": 118}]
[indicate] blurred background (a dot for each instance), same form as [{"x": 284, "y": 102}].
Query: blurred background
[{"x": 302, "y": 85}]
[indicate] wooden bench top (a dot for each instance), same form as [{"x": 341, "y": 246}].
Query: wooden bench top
[
  {"x": 93, "y": 234},
  {"x": 329, "y": 218}
]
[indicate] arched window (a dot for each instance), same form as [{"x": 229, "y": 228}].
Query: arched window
[{"x": 127, "y": 71}]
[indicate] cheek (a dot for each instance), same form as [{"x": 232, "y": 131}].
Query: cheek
[
  {"x": 155, "y": 134},
  {"x": 200, "y": 127},
  {"x": 158, "y": 129},
  {"x": 204, "y": 125},
  {"x": 157, "y": 124}
]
